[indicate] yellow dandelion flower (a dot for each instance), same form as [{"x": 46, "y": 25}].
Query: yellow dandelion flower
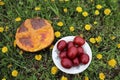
[
  {"x": 95, "y": 22},
  {"x": 1, "y": 29},
  {"x": 57, "y": 34},
  {"x": 99, "y": 56},
  {"x": 99, "y": 6},
  {"x": 21, "y": 52},
  {"x": 118, "y": 45},
  {"x": 85, "y": 14},
  {"x": 65, "y": 10},
  {"x": 97, "y": 12},
  {"x": 64, "y": 78},
  {"x": 2, "y": 3},
  {"x": 51, "y": 47},
  {"x": 37, "y": 8},
  {"x": 86, "y": 78},
  {"x": 81, "y": 35},
  {"x": 112, "y": 37},
  {"x": 71, "y": 28},
  {"x": 79, "y": 9},
  {"x": 14, "y": 73},
  {"x": 3, "y": 78},
  {"x": 18, "y": 19},
  {"x": 112, "y": 63},
  {"x": 38, "y": 57},
  {"x": 98, "y": 39},
  {"x": 14, "y": 43},
  {"x": 101, "y": 75},
  {"x": 92, "y": 40},
  {"x": 107, "y": 11},
  {"x": 4, "y": 49},
  {"x": 9, "y": 66},
  {"x": 54, "y": 70},
  {"x": 87, "y": 27},
  {"x": 60, "y": 23}
]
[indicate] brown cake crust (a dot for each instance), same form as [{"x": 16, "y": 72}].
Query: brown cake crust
[{"x": 34, "y": 34}]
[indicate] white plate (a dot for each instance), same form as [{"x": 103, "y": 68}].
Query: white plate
[{"x": 73, "y": 70}]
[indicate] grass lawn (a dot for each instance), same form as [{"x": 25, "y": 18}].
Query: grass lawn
[{"x": 98, "y": 21}]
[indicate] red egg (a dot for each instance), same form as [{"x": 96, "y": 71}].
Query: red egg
[
  {"x": 76, "y": 61},
  {"x": 63, "y": 54},
  {"x": 79, "y": 40},
  {"x": 84, "y": 59},
  {"x": 66, "y": 63},
  {"x": 80, "y": 51},
  {"x": 72, "y": 52},
  {"x": 61, "y": 45},
  {"x": 70, "y": 44}
]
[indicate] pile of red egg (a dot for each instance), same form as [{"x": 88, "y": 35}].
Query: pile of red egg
[{"x": 71, "y": 53}]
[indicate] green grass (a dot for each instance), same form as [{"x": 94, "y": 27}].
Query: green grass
[{"x": 29, "y": 68}]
